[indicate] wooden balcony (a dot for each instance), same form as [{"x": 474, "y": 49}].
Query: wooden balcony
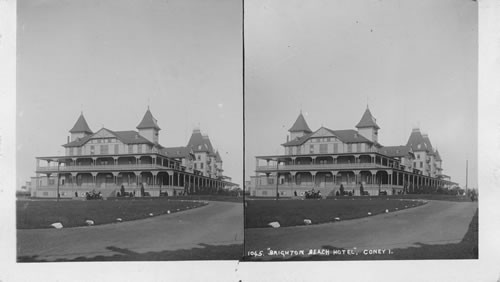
[
  {"x": 90, "y": 168},
  {"x": 272, "y": 168}
]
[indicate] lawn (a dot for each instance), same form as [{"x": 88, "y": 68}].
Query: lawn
[
  {"x": 259, "y": 213},
  {"x": 72, "y": 213}
]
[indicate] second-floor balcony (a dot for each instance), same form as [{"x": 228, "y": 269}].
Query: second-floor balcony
[
  {"x": 289, "y": 167},
  {"x": 118, "y": 167}
]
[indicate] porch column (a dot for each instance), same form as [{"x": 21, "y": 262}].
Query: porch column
[
  {"x": 115, "y": 177},
  {"x": 94, "y": 178}
]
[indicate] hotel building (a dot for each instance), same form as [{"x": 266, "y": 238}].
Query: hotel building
[
  {"x": 106, "y": 160},
  {"x": 327, "y": 159}
]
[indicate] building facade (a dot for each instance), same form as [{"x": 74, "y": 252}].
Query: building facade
[
  {"x": 327, "y": 160},
  {"x": 106, "y": 161}
]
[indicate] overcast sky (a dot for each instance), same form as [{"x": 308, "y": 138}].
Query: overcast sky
[
  {"x": 413, "y": 62},
  {"x": 113, "y": 58}
]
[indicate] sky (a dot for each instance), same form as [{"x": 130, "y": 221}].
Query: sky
[
  {"x": 413, "y": 62},
  {"x": 112, "y": 59}
]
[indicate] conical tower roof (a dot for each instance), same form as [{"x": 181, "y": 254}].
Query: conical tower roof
[
  {"x": 148, "y": 121},
  {"x": 367, "y": 120},
  {"x": 300, "y": 125},
  {"x": 81, "y": 126}
]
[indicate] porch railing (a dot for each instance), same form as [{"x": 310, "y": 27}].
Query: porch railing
[{"x": 100, "y": 167}]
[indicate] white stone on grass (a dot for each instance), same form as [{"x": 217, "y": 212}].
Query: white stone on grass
[
  {"x": 274, "y": 224},
  {"x": 119, "y": 220},
  {"x": 151, "y": 214},
  {"x": 307, "y": 221},
  {"x": 386, "y": 211},
  {"x": 369, "y": 213},
  {"x": 89, "y": 222},
  {"x": 168, "y": 211},
  {"x": 337, "y": 219},
  {"x": 57, "y": 225}
]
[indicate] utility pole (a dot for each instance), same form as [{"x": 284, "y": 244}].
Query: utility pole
[
  {"x": 58, "y": 178},
  {"x": 466, "y": 176}
]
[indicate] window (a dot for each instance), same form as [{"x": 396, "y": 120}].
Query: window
[
  {"x": 298, "y": 150},
  {"x": 418, "y": 156},
  {"x": 116, "y": 149},
  {"x": 311, "y": 149},
  {"x": 104, "y": 149},
  {"x": 349, "y": 148},
  {"x": 358, "y": 147},
  {"x": 201, "y": 166},
  {"x": 139, "y": 148},
  {"x": 336, "y": 148},
  {"x": 421, "y": 164},
  {"x": 195, "y": 166},
  {"x": 199, "y": 157},
  {"x": 79, "y": 151},
  {"x": 92, "y": 150},
  {"x": 52, "y": 182}
]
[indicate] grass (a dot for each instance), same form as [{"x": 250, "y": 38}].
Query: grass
[
  {"x": 259, "y": 213},
  {"x": 72, "y": 213}
]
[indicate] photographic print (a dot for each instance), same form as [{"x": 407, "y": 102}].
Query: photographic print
[
  {"x": 361, "y": 130},
  {"x": 129, "y": 130}
]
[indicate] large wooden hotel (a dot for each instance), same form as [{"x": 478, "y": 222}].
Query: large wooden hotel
[
  {"x": 106, "y": 160},
  {"x": 327, "y": 159}
]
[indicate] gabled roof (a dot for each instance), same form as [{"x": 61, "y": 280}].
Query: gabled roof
[
  {"x": 417, "y": 142},
  {"x": 131, "y": 137},
  {"x": 177, "y": 152},
  {"x": 148, "y": 121},
  {"x": 300, "y": 125},
  {"x": 367, "y": 120},
  {"x": 81, "y": 126},
  {"x": 198, "y": 143},
  {"x": 396, "y": 151},
  {"x": 126, "y": 137},
  {"x": 346, "y": 136}
]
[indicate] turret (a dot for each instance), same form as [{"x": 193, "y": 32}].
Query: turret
[
  {"x": 148, "y": 127},
  {"x": 80, "y": 129},
  {"x": 299, "y": 128},
  {"x": 368, "y": 127}
]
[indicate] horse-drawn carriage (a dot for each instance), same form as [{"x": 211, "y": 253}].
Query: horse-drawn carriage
[
  {"x": 93, "y": 195},
  {"x": 313, "y": 194}
]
